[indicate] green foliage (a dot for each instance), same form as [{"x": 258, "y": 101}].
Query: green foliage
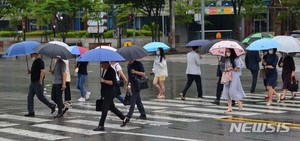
[
  {"x": 146, "y": 27},
  {"x": 8, "y": 33},
  {"x": 108, "y": 34},
  {"x": 185, "y": 10},
  {"x": 37, "y": 33}
]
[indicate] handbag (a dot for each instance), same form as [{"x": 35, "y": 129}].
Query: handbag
[
  {"x": 99, "y": 103},
  {"x": 262, "y": 73},
  {"x": 226, "y": 78},
  {"x": 293, "y": 85},
  {"x": 127, "y": 98},
  {"x": 143, "y": 82}
]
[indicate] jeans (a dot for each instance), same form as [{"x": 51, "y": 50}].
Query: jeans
[
  {"x": 80, "y": 84},
  {"x": 254, "y": 80},
  {"x": 189, "y": 82},
  {"x": 56, "y": 96},
  {"x": 37, "y": 89},
  {"x": 135, "y": 99}
]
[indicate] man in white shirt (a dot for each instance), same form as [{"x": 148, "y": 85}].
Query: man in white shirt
[{"x": 193, "y": 72}]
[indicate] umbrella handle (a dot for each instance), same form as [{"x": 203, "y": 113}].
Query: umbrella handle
[
  {"x": 27, "y": 62},
  {"x": 51, "y": 63}
]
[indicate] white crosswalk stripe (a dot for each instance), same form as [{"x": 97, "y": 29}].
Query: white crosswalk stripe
[
  {"x": 5, "y": 139},
  {"x": 22, "y": 118},
  {"x": 7, "y": 124},
  {"x": 33, "y": 134},
  {"x": 107, "y": 125}
]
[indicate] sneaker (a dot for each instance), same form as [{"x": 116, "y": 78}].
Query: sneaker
[
  {"x": 181, "y": 96},
  {"x": 144, "y": 117},
  {"x": 81, "y": 99},
  {"x": 87, "y": 95},
  {"x": 30, "y": 115}
]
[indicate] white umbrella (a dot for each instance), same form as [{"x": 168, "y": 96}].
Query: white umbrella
[
  {"x": 288, "y": 44},
  {"x": 107, "y": 47}
]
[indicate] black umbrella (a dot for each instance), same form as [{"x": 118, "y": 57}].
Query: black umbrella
[
  {"x": 205, "y": 49},
  {"x": 132, "y": 52}
]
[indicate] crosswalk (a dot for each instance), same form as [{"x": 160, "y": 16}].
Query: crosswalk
[{"x": 82, "y": 118}]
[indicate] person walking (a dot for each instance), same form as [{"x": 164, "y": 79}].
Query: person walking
[
  {"x": 287, "y": 63},
  {"x": 160, "y": 70},
  {"x": 193, "y": 72},
  {"x": 36, "y": 87},
  {"x": 108, "y": 82},
  {"x": 81, "y": 78},
  {"x": 220, "y": 70},
  {"x": 271, "y": 75},
  {"x": 68, "y": 81},
  {"x": 135, "y": 70},
  {"x": 252, "y": 60},
  {"x": 59, "y": 85},
  {"x": 119, "y": 75},
  {"x": 233, "y": 90}
]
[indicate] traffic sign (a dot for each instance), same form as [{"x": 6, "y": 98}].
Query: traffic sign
[{"x": 94, "y": 29}]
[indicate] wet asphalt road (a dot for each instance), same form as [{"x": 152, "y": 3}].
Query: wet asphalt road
[{"x": 169, "y": 119}]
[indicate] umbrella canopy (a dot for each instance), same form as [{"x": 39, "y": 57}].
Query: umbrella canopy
[
  {"x": 100, "y": 55},
  {"x": 153, "y": 46},
  {"x": 263, "y": 44},
  {"x": 288, "y": 44},
  {"x": 205, "y": 49},
  {"x": 256, "y": 36},
  {"x": 132, "y": 52},
  {"x": 219, "y": 48},
  {"x": 197, "y": 43},
  {"x": 77, "y": 50},
  {"x": 54, "y": 49},
  {"x": 21, "y": 48},
  {"x": 107, "y": 47}
]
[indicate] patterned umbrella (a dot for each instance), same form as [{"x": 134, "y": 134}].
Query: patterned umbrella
[
  {"x": 256, "y": 36},
  {"x": 219, "y": 48}
]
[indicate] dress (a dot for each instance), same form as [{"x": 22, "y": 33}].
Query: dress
[
  {"x": 287, "y": 69},
  {"x": 271, "y": 74},
  {"x": 234, "y": 91}
]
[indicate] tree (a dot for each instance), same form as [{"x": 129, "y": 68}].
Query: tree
[
  {"x": 288, "y": 15},
  {"x": 4, "y": 6}
]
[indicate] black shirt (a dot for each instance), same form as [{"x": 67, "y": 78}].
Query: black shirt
[
  {"x": 110, "y": 74},
  {"x": 138, "y": 66},
  {"x": 82, "y": 67},
  {"x": 37, "y": 66}
]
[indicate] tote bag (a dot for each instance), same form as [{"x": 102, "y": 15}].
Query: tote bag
[{"x": 226, "y": 78}]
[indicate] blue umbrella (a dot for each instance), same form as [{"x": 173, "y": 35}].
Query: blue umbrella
[
  {"x": 153, "y": 46},
  {"x": 263, "y": 44},
  {"x": 100, "y": 55},
  {"x": 197, "y": 43},
  {"x": 21, "y": 48}
]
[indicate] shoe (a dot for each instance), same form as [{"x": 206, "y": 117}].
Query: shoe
[
  {"x": 30, "y": 115},
  {"x": 217, "y": 102},
  {"x": 200, "y": 97},
  {"x": 58, "y": 116},
  {"x": 81, "y": 99},
  {"x": 292, "y": 98},
  {"x": 65, "y": 110},
  {"x": 99, "y": 128},
  {"x": 233, "y": 104},
  {"x": 182, "y": 96},
  {"x": 87, "y": 95},
  {"x": 228, "y": 111},
  {"x": 125, "y": 121},
  {"x": 144, "y": 117},
  {"x": 53, "y": 109}
]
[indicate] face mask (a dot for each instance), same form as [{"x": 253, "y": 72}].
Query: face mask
[
  {"x": 271, "y": 51},
  {"x": 228, "y": 54},
  {"x": 158, "y": 52},
  {"x": 265, "y": 52},
  {"x": 33, "y": 58}
]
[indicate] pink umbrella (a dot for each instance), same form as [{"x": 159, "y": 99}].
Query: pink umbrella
[{"x": 219, "y": 48}]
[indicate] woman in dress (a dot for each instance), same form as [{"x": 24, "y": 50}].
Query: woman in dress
[
  {"x": 160, "y": 71},
  {"x": 288, "y": 71},
  {"x": 271, "y": 74},
  {"x": 233, "y": 90}
]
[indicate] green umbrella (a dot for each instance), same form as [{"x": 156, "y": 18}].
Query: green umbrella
[{"x": 256, "y": 36}]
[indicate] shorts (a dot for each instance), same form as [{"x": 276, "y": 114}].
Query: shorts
[{"x": 160, "y": 78}]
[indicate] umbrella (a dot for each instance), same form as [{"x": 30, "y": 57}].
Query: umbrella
[
  {"x": 132, "y": 52},
  {"x": 54, "y": 49},
  {"x": 219, "y": 48},
  {"x": 263, "y": 44},
  {"x": 99, "y": 55},
  {"x": 77, "y": 50},
  {"x": 197, "y": 43},
  {"x": 206, "y": 48},
  {"x": 288, "y": 44},
  {"x": 107, "y": 47},
  {"x": 256, "y": 36},
  {"x": 21, "y": 48},
  {"x": 153, "y": 46}
]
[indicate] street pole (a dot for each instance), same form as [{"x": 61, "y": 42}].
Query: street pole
[
  {"x": 163, "y": 23},
  {"x": 24, "y": 35},
  {"x": 54, "y": 32},
  {"x": 202, "y": 20},
  {"x": 172, "y": 33}
]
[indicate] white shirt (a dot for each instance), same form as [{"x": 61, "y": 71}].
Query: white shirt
[
  {"x": 160, "y": 68},
  {"x": 116, "y": 67},
  {"x": 193, "y": 63}
]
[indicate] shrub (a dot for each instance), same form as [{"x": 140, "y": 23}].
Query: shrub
[
  {"x": 8, "y": 33},
  {"x": 146, "y": 27},
  {"x": 108, "y": 34}
]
